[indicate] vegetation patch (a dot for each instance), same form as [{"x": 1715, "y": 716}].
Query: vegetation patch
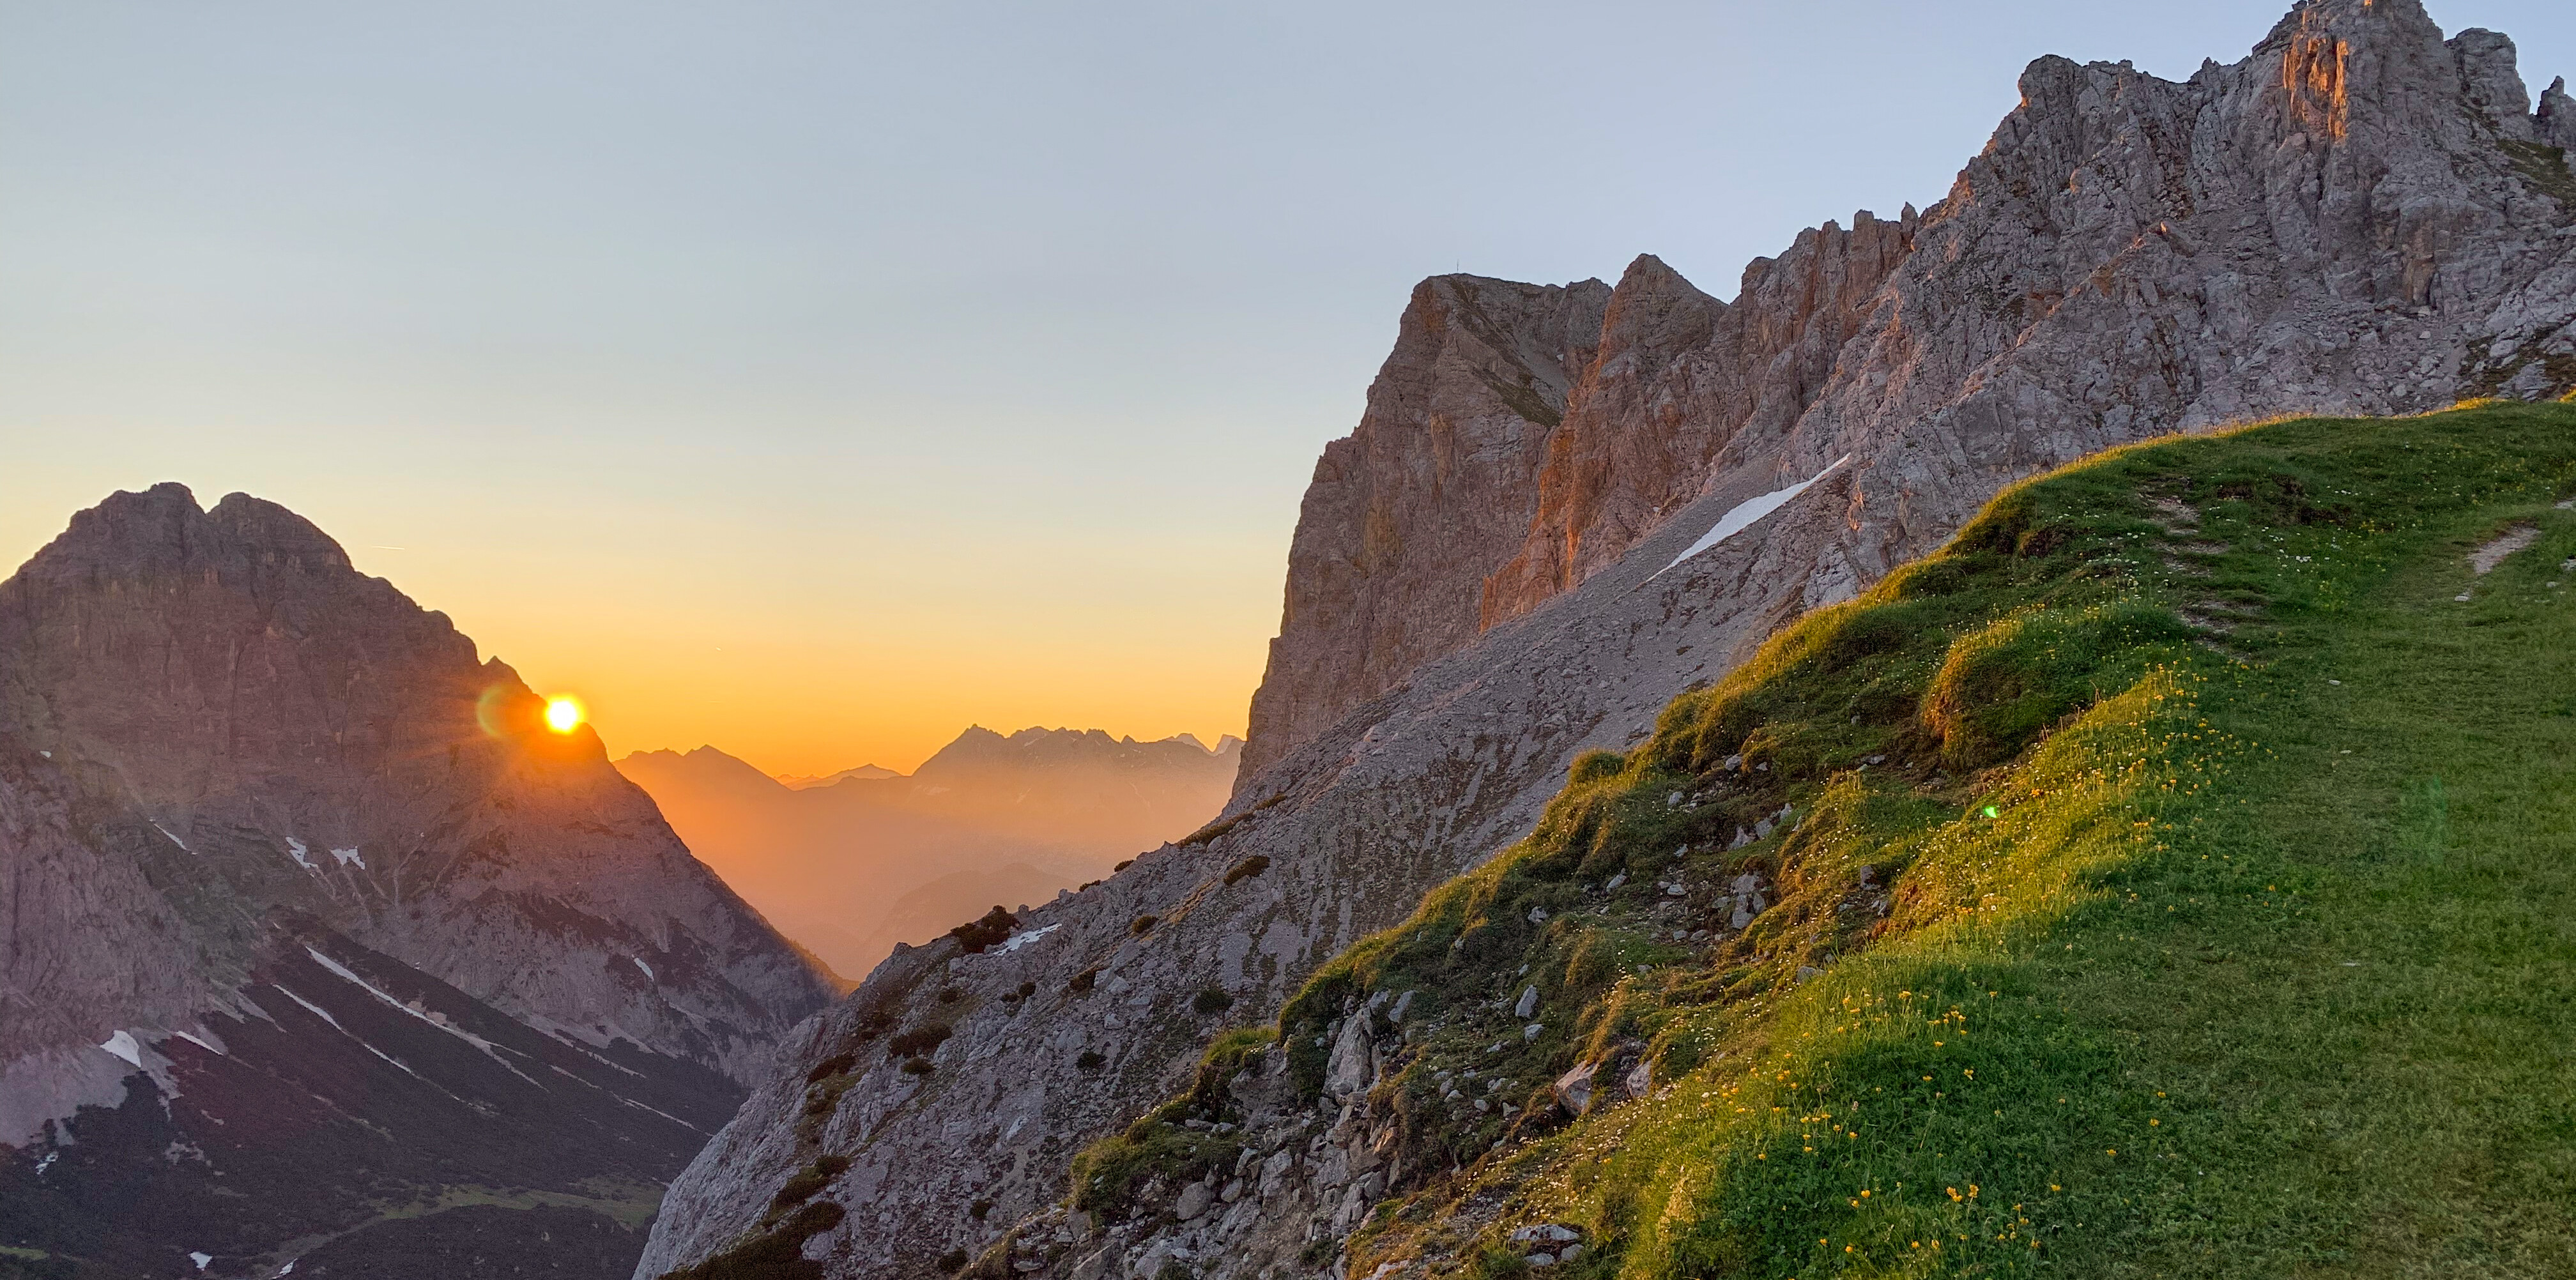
[
  {"x": 803, "y": 1185},
  {"x": 1209, "y": 833},
  {"x": 992, "y": 928},
  {"x": 919, "y": 1042},
  {"x": 774, "y": 1253},
  {"x": 1181, "y": 1141}
]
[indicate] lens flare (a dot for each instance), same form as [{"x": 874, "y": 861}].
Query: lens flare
[{"x": 563, "y": 713}]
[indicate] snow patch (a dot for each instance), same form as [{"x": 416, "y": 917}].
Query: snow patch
[
  {"x": 201, "y": 1259},
  {"x": 489, "y": 1050},
  {"x": 295, "y": 850},
  {"x": 659, "y": 1112},
  {"x": 317, "y": 1011},
  {"x": 200, "y": 1041},
  {"x": 123, "y": 1045},
  {"x": 648, "y": 969},
  {"x": 165, "y": 834},
  {"x": 347, "y": 856},
  {"x": 1742, "y": 515},
  {"x": 1019, "y": 940},
  {"x": 47, "y": 1162}
]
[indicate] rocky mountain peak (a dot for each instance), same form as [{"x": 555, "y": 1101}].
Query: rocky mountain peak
[
  {"x": 279, "y": 845},
  {"x": 2399, "y": 170},
  {"x": 2554, "y": 124},
  {"x": 314, "y": 742},
  {"x": 162, "y": 528},
  {"x": 1430, "y": 487}
]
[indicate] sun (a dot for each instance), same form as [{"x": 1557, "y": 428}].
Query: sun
[{"x": 563, "y": 713}]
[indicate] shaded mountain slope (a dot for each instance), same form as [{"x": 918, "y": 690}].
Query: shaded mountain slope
[
  {"x": 346, "y": 1114},
  {"x": 220, "y": 744}
]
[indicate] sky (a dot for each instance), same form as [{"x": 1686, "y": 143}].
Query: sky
[{"x": 815, "y": 379}]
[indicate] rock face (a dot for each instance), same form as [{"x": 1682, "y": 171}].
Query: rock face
[
  {"x": 2357, "y": 218},
  {"x": 1679, "y": 376},
  {"x": 1431, "y": 490},
  {"x": 224, "y": 752}
]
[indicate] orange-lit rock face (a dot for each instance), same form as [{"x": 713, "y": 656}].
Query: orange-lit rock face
[
  {"x": 1677, "y": 378},
  {"x": 2312, "y": 74}
]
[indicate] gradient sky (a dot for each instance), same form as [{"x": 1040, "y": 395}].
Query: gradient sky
[{"x": 815, "y": 379}]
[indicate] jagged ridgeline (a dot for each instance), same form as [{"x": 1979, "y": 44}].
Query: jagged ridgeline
[{"x": 2159, "y": 878}]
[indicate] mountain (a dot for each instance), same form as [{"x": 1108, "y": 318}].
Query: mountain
[
  {"x": 319, "y": 944},
  {"x": 2360, "y": 217},
  {"x": 854, "y": 867},
  {"x": 799, "y": 782}
]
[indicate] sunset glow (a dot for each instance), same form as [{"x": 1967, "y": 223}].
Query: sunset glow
[{"x": 563, "y": 713}]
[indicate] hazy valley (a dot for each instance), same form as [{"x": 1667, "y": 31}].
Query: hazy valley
[{"x": 852, "y": 864}]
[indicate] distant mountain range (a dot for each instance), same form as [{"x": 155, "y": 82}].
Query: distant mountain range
[
  {"x": 851, "y": 863},
  {"x": 799, "y": 782}
]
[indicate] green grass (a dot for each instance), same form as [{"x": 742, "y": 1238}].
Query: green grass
[
  {"x": 1107, "y": 1174},
  {"x": 2141, "y": 949}
]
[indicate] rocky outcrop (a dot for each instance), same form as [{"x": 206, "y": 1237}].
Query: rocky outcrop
[
  {"x": 2348, "y": 220},
  {"x": 221, "y": 745},
  {"x": 1679, "y": 377},
  {"x": 2554, "y": 124},
  {"x": 1431, "y": 489}
]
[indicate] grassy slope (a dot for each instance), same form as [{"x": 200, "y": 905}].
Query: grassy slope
[{"x": 2245, "y": 973}]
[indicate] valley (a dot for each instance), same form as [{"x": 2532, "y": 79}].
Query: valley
[{"x": 853, "y": 865}]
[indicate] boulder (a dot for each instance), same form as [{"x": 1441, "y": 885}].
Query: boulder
[{"x": 1354, "y": 1062}]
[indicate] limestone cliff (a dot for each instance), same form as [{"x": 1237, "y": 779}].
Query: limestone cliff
[
  {"x": 2358, "y": 217},
  {"x": 1678, "y": 377},
  {"x": 1431, "y": 490}
]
